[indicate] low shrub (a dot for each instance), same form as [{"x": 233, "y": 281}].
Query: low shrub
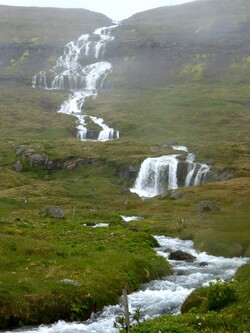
[{"x": 220, "y": 294}]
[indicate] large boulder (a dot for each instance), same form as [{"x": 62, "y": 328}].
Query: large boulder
[
  {"x": 208, "y": 206},
  {"x": 180, "y": 255},
  {"x": 214, "y": 175},
  {"x": 38, "y": 159},
  {"x": 54, "y": 211}
]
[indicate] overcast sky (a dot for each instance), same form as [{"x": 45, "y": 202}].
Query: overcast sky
[{"x": 114, "y": 9}]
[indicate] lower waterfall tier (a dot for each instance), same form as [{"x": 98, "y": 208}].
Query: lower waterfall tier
[{"x": 168, "y": 172}]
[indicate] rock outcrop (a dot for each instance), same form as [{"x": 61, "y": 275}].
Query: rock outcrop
[
  {"x": 54, "y": 211},
  {"x": 208, "y": 206}
]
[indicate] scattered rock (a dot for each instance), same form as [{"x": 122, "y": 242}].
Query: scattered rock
[
  {"x": 38, "y": 159},
  {"x": 128, "y": 173},
  {"x": 215, "y": 176},
  {"x": 238, "y": 204},
  {"x": 133, "y": 229},
  {"x": 180, "y": 255},
  {"x": 20, "y": 149},
  {"x": 131, "y": 172},
  {"x": 203, "y": 264},
  {"x": 50, "y": 165},
  {"x": 124, "y": 191},
  {"x": 175, "y": 194},
  {"x": 18, "y": 166},
  {"x": 90, "y": 224},
  {"x": 72, "y": 282},
  {"x": 167, "y": 250},
  {"x": 54, "y": 211},
  {"x": 208, "y": 206}
]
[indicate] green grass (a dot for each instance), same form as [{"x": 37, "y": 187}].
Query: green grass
[
  {"x": 232, "y": 316},
  {"x": 37, "y": 253},
  {"x": 151, "y": 106},
  {"x": 32, "y": 244}
]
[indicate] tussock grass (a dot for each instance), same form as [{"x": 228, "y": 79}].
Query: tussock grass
[{"x": 211, "y": 117}]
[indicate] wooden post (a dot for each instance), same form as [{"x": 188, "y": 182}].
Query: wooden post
[
  {"x": 74, "y": 213},
  {"x": 126, "y": 310}
]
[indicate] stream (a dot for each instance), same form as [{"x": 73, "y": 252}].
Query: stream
[
  {"x": 81, "y": 70},
  {"x": 157, "y": 297}
]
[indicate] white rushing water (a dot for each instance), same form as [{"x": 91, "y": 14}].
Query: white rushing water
[
  {"x": 156, "y": 175},
  {"x": 168, "y": 172},
  {"x": 131, "y": 218},
  {"x": 157, "y": 297},
  {"x": 81, "y": 71}
]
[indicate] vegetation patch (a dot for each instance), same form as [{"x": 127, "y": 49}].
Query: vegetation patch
[{"x": 173, "y": 80}]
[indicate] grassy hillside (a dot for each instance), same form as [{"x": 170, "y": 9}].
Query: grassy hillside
[
  {"x": 202, "y": 40},
  {"x": 31, "y": 39},
  {"x": 166, "y": 86}
]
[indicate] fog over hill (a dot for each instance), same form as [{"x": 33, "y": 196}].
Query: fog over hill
[
  {"x": 92, "y": 120},
  {"x": 32, "y": 38},
  {"x": 197, "y": 40}
]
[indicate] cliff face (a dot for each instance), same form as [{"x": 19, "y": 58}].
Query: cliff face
[
  {"x": 202, "y": 40},
  {"x": 32, "y": 38}
]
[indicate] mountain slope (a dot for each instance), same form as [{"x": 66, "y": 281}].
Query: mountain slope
[
  {"x": 200, "y": 40},
  {"x": 178, "y": 77},
  {"x": 31, "y": 39}
]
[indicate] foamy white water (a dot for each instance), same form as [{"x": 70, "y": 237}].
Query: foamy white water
[
  {"x": 157, "y": 297},
  {"x": 73, "y": 72},
  {"x": 168, "y": 172},
  {"x": 156, "y": 175},
  {"x": 131, "y": 218}
]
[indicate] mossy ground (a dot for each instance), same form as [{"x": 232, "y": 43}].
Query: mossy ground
[
  {"x": 208, "y": 114},
  {"x": 37, "y": 252}
]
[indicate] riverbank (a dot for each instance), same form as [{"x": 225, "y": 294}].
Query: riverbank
[
  {"x": 162, "y": 295},
  {"x": 57, "y": 270}
]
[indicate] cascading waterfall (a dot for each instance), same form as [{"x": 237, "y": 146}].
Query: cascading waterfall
[
  {"x": 156, "y": 176},
  {"x": 76, "y": 72},
  {"x": 168, "y": 172},
  {"x": 159, "y": 296}
]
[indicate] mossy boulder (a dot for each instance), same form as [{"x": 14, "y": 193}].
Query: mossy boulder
[
  {"x": 208, "y": 206},
  {"x": 180, "y": 255},
  {"x": 54, "y": 211}
]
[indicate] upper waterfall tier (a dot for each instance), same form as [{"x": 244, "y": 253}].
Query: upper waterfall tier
[
  {"x": 79, "y": 63},
  {"x": 168, "y": 172},
  {"x": 81, "y": 71}
]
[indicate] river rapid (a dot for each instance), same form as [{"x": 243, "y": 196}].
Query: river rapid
[{"x": 157, "y": 297}]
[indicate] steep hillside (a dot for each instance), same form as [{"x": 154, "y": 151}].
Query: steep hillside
[
  {"x": 31, "y": 39},
  {"x": 201, "y": 40},
  {"x": 180, "y": 75}
]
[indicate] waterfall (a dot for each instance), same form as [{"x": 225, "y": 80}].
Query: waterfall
[
  {"x": 156, "y": 176},
  {"x": 81, "y": 71},
  {"x": 159, "y": 174}
]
